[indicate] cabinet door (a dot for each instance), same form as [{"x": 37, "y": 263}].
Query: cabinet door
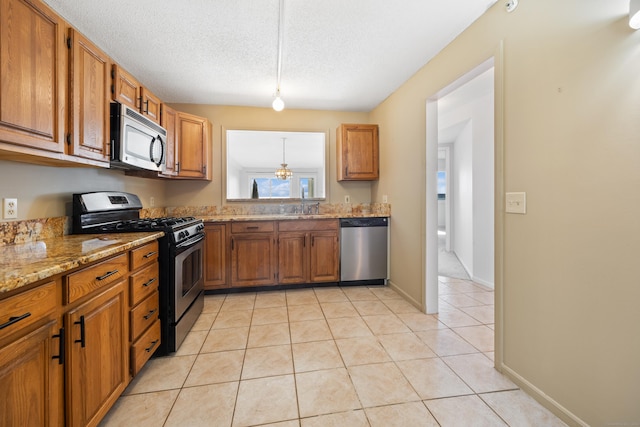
[
  {"x": 215, "y": 256},
  {"x": 252, "y": 259},
  {"x": 193, "y": 146},
  {"x": 168, "y": 121},
  {"x": 325, "y": 257},
  {"x": 126, "y": 89},
  {"x": 31, "y": 380},
  {"x": 293, "y": 257},
  {"x": 150, "y": 105},
  {"x": 97, "y": 370},
  {"x": 33, "y": 69},
  {"x": 90, "y": 71},
  {"x": 357, "y": 157}
]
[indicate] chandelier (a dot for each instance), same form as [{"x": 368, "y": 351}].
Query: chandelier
[{"x": 283, "y": 172}]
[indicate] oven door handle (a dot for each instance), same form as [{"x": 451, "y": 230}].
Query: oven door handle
[{"x": 191, "y": 242}]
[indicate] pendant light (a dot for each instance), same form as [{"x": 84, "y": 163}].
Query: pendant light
[
  {"x": 278, "y": 103},
  {"x": 283, "y": 173}
]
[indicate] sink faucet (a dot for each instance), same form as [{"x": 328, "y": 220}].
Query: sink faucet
[{"x": 302, "y": 202}]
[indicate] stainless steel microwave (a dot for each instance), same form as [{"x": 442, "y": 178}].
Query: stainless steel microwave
[{"x": 136, "y": 141}]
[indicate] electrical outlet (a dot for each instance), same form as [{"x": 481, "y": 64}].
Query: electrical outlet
[
  {"x": 10, "y": 208},
  {"x": 347, "y": 199},
  {"x": 152, "y": 201},
  {"x": 385, "y": 199}
]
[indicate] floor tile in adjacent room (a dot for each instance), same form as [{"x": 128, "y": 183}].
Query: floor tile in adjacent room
[
  {"x": 463, "y": 411},
  {"x": 266, "y": 400},
  {"x": 401, "y": 415},
  {"x": 480, "y": 337},
  {"x": 405, "y": 347},
  {"x": 483, "y": 297},
  {"x": 203, "y": 406},
  {"x": 483, "y": 313},
  {"x": 420, "y": 321},
  {"x": 325, "y": 392},
  {"x": 456, "y": 318},
  {"x": 381, "y": 384},
  {"x": 460, "y": 300},
  {"x": 519, "y": 409},
  {"x": 433, "y": 379},
  {"x": 141, "y": 410},
  {"x": 478, "y": 372}
]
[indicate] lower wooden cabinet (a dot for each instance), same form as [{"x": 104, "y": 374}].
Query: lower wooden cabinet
[
  {"x": 215, "y": 256},
  {"x": 253, "y": 257},
  {"x": 97, "y": 362}
]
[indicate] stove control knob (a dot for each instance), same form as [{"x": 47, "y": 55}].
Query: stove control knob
[
  {"x": 186, "y": 232},
  {"x": 181, "y": 235}
]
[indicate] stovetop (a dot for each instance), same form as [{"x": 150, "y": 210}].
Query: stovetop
[{"x": 152, "y": 224}]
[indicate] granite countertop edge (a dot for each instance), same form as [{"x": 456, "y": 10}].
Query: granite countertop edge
[
  {"x": 26, "y": 263},
  {"x": 289, "y": 216}
]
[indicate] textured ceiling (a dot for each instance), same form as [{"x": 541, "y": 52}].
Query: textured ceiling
[{"x": 337, "y": 54}]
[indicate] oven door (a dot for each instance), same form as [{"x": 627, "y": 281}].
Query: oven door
[{"x": 189, "y": 280}]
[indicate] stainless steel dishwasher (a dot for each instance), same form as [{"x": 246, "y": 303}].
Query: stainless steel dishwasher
[{"x": 363, "y": 251}]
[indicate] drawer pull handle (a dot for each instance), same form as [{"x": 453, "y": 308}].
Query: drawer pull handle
[
  {"x": 14, "y": 319},
  {"x": 149, "y": 282},
  {"x": 254, "y": 227},
  {"x": 81, "y": 323},
  {"x": 153, "y": 344},
  {"x": 147, "y": 316},
  {"x": 150, "y": 254},
  {"x": 60, "y": 355},
  {"x": 107, "y": 274}
]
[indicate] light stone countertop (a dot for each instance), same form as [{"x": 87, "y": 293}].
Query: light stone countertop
[
  {"x": 287, "y": 216},
  {"x": 26, "y": 263}
]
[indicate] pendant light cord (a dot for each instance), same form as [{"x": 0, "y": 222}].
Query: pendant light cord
[{"x": 280, "y": 41}]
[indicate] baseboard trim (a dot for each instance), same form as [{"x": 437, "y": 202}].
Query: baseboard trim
[
  {"x": 544, "y": 399},
  {"x": 406, "y": 296},
  {"x": 483, "y": 282}
]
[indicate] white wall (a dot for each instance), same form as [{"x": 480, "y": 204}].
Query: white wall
[{"x": 463, "y": 197}]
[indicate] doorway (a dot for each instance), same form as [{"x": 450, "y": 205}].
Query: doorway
[{"x": 460, "y": 182}]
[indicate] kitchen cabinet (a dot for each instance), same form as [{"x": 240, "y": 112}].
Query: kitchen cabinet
[
  {"x": 33, "y": 57},
  {"x": 97, "y": 368},
  {"x": 193, "y": 140},
  {"x": 128, "y": 91},
  {"x": 308, "y": 251},
  {"x": 89, "y": 71},
  {"x": 357, "y": 152},
  {"x": 168, "y": 121},
  {"x": 215, "y": 256},
  {"x": 253, "y": 253},
  {"x": 144, "y": 305},
  {"x": 31, "y": 359}
]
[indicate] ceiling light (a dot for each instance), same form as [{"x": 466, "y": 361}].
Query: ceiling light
[
  {"x": 283, "y": 173},
  {"x": 634, "y": 14},
  {"x": 278, "y": 103},
  {"x": 511, "y": 5}
]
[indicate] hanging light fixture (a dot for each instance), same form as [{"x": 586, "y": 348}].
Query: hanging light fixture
[
  {"x": 278, "y": 103},
  {"x": 634, "y": 14},
  {"x": 283, "y": 173}
]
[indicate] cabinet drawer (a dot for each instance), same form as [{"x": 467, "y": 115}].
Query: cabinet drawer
[
  {"x": 252, "y": 227},
  {"x": 26, "y": 308},
  {"x": 143, "y": 315},
  {"x": 144, "y": 255},
  {"x": 308, "y": 225},
  {"x": 85, "y": 281},
  {"x": 144, "y": 347},
  {"x": 143, "y": 283}
]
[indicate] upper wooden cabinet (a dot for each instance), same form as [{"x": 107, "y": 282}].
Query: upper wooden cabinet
[
  {"x": 128, "y": 91},
  {"x": 193, "y": 139},
  {"x": 90, "y": 72},
  {"x": 33, "y": 57},
  {"x": 357, "y": 152}
]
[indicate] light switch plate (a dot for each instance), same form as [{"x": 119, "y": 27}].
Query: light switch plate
[{"x": 516, "y": 203}]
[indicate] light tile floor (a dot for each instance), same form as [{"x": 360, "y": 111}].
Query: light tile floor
[{"x": 352, "y": 356}]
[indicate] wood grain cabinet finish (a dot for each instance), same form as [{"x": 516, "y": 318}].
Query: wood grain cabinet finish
[
  {"x": 215, "y": 256},
  {"x": 31, "y": 359},
  {"x": 90, "y": 77},
  {"x": 308, "y": 251},
  {"x": 253, "y": 253},
  {"x": 33, "y": 67},
  {"x": 357, "y": 152},
  {"x": 127, "y": 90},
  {"x": 193, "y": 139},
  {"x": 97, "y": 370}
]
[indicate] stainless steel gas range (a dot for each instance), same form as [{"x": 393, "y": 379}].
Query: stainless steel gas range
[{"x": 181, "y": 255}]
